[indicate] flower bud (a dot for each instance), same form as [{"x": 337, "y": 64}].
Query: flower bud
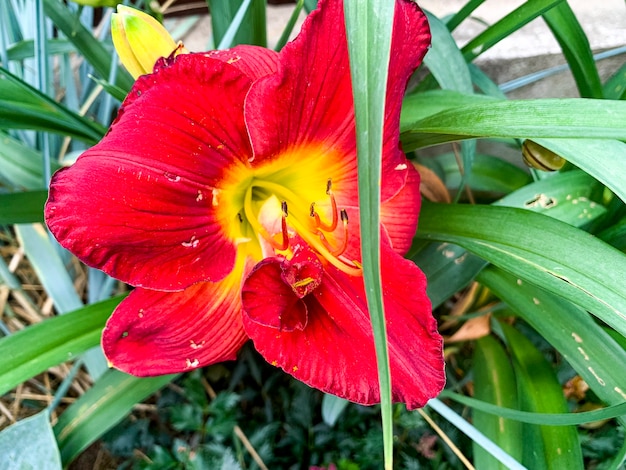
[{"x": 140, "y": 40}]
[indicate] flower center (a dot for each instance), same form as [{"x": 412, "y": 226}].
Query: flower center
[{"x": 266, "y": 216}]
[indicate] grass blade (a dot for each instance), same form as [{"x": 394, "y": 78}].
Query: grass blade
[{"x": 575, "y": 46}]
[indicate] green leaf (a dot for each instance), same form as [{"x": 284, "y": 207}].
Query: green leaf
[
  {"x": 494, "y": 382},
  {"x": 575, "y": 46},
  {"x": 238, "y": 22},
  {"x": 547, "y": 118},
  {"x": 293, "y": 19},
  {"x": 45, "y": 259},
  {"x": 418, "y": 106},
  {"x": 23, "y": 107},
  {"x": 552, "y": 419},
  {"x": 540, "y": 392},
  {"x": 21, "y": 166},
  {"x": 448, "y": 268},
  {"x": 463, "y": 13},
  {"x": 489, "y": 174},
  {"x": 615, "y": 87},
  {"x": 36, "y": 348},
  {"x": 444, "y": 59},
  {"x": 332, "y": 408},
  {"x": 590, "y": 350},
  {"x": 94, "y": 51},
  {"x": 519, "y": 17},
  {"x": 20, "y": 208},
  {"x": 560, "y": 258},
  {"x": 110, "y": 399},
  {"x": 29, "y": 444},
  {"x": 562, "y": 196},
  {"x": 49, "y": 267},
  {"x": 370, "y": 24},
  {"x": 26, "y": 49}
]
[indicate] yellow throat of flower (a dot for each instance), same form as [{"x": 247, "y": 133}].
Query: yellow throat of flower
[{"x": 263, "y": 209}]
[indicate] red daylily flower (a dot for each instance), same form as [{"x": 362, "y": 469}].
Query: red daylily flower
[{"x": 222, "y": 192}]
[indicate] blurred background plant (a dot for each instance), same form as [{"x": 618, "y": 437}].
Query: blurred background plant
[{"x": 522, "y": 240}]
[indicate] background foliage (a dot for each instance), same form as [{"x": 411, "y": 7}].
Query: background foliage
[{"x": 526, "y": 270}]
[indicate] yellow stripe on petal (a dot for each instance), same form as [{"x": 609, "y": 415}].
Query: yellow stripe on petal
[{"x": 140, "y": 40}]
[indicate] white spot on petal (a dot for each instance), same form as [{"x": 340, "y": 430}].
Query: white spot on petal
[
  {"x": 191, "y": 363},
  {"x": 214, "y": 201},
  {"x": 401, "y": 166},
  {"x": 200, "y": 196},
  {"x": 194, "y": 345},
  {"x": 191, "y": 243}
]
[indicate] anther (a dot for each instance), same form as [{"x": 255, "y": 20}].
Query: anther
[
  {"x": 283, "y": 226},
  {"x": 344, "y": 217},
  {"x": 333, "y": 210},
  {"x": 239, "y": 217}
]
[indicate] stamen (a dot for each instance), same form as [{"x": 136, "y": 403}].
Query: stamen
[
  {"x": 333, "y": 210},
  {"x": 317, "y": 241},
  {"x": 283, "y": 226},
  {"x": 340, "y": 249}
]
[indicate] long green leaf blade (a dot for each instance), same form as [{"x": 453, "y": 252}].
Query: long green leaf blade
[
  {"x": 597, "y": 358},
  {"x": 556, "y": 256},
  {"x": 540, "y": 118},
  {"x": 494, "y": 382},
  {"x": 575, "y": 46},
  {"x": 38, "y": 347},
  {"x": 24, "y": 107},
  {"x": 369, "y": 28},
  {"x": 552, "y": 419},
  {"x": 540, "y": 392}
]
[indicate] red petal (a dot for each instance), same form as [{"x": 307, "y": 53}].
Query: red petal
[
  {"x": 254, "y": 61},
  {"x": 335, "y": 352},
  {"x": 311, "y": 95},
  {"x": 286, "y": 311},
  {"x": 286, "y": 282},
  {"x": 399, "y": 214},
  {"x": 140, "y": 204},
  {"x": 154, "y": 333}
]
